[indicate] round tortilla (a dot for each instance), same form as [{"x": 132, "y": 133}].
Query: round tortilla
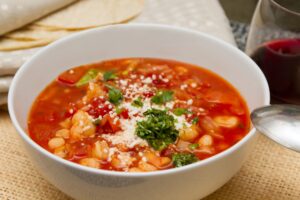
[
  {"x": 7, "y": 44},
  {"x": 35, "y": 33},
  {"x": 81, "y": 15},
  {"x": 92, "y": 13}
]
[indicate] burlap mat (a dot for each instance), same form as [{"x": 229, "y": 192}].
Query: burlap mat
[{"x": 271, "y": 172}]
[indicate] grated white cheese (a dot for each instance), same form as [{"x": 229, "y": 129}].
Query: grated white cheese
[
  {"x": 183, "y": 86},
  {"x": 86, "y": 128},
  {"x": 124, "y": 82},
  {"x": 111, "y": 152},
  {"x": 170, "y": 104},
  {"x": 144, "y": 159},
  {"x": 127, "y": 136},
  {"x": 115, "y": 120},
  {"x": 148, "y": 80},
  {"x": 135, "y": 90},
  {"x": 133, "y": 76},
  {"x": 189, "y": 102},
  {"x": 180, "y": 122},
  {"x": 141, "y": 154},
  {"x": 165, "y": 80}
]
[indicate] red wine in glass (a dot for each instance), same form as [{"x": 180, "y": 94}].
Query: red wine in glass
[{"x": 280, "y": 62}]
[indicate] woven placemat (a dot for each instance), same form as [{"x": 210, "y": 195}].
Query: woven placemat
[{"x": 270, "y": 173}]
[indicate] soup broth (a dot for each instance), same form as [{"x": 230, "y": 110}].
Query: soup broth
[{"x": 138, "y": 115}]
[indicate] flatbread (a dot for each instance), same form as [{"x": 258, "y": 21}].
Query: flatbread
[
  {"x": 5, "y": 82},
  {"x": 7, "y": 44},
  {"x": 81, "y": 15},
  {"x": 35, "y": 33},
  {"x": 17, "y": 13},
  {"x": 92, "y": 13},
  {"x": 3, "y": 100}
]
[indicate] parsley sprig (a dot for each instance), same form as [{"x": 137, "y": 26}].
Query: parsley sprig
[
  {"x": 162, "y": 97},
  {"x": 158, "y": 129},
  {"x": 137, "y": 102},
  {"x": 87, "y": 77},
  {"x": 181, "y": 111},
  {"x": 195, "y": 120},
  {"x": 181, "y": 159},
  {"x": 114, "y": 95},
  {"x": 109, "y": 75}
]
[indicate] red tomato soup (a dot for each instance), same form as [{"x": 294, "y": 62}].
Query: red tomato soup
[{"x": 138, "y": 115}]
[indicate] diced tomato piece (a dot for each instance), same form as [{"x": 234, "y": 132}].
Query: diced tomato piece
[
  {"x": 124, "y": 114},
  {"x": 70, "y": 77},
  {"x": 107, "y": 125},
  {"x": 99, "y": 108},
  {"x": 148, "y": 94},
  {"x": 79, "y": 150},
  {"x": 168, "y": 151},
  {"x": 114, "y": 126},
  {"x": 71, "y": 110}
]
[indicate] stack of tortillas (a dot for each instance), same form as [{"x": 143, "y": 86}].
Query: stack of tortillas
[
  {"x": 18, "y": 46},
  {"x": 81, "y": 15},
  {"x": 78, "y": 15}
]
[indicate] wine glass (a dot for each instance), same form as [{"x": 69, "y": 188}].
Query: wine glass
[{"x": 274, "y": 44}]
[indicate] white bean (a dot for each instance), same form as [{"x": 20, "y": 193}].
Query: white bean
[
  {"x": 135, "y": 169},
  {"x": 146, "y": 167},
  {"x": 56, "y": 142},
  {"x": 226, "y": 121},
  {"x": 90, "y": 162},
  {"x": 100, "y": 150},
  {"x": 61, "y": 151},
  {"x": 64, "y": 133},
  {"x": 205, "y": 140},
  {"x": 155, "y": 160},
  {"x": 189, "y": 133},
  {"x": 82, "y": 126}
]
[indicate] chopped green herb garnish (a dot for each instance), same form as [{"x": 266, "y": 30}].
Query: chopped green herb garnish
[
  {"x": 87, "y": 77},
  {"x": 119, "y": 110},
  {"x": 162, "y": 97},
  {"x": 137, "y": 102},
  {"x": 181, "y": 159},
  {"x": 195, "y": 120},
  {"x": 181, "y": 111},
  {"x": 96, "y": 121},
  {"x": 114, "y": 95},
  {"x": 158, "y": 129},
  {"x": 109, "y": 76},
  {"x": 125, "y": 73},
  {"x": 193, "y": 146}
]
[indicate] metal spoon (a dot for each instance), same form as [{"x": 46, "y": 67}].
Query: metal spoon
[{"x": 281, "y": 123}]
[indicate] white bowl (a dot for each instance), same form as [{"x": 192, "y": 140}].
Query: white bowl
[{"x": 120, "y": 41}]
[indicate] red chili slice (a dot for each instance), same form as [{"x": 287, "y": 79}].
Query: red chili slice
[
  {"x": 70, "y": 77},
  {"x": 124, "y": 114}
]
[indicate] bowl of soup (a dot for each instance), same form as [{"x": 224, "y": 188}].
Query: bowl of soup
[{"x": 137, "y": 112}]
